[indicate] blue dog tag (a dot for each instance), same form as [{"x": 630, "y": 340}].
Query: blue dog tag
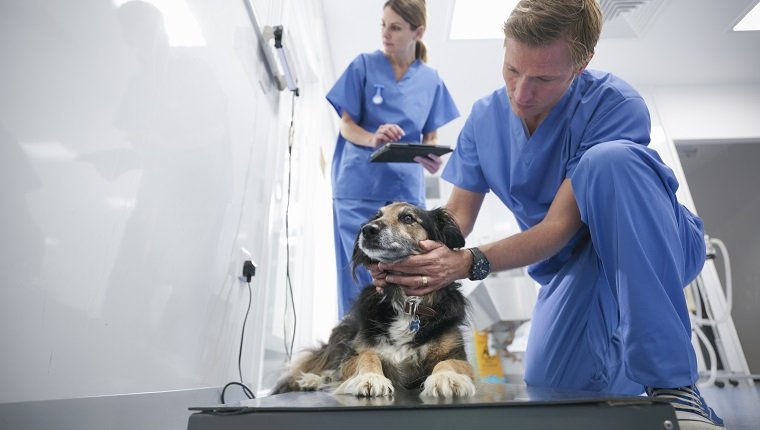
[{"x": 414, "y": 325}]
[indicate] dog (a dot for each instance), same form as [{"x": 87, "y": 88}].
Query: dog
[{"x": 388, "y": 340}]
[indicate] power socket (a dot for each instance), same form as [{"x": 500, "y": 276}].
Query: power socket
[{"x": 245, "y": 267}]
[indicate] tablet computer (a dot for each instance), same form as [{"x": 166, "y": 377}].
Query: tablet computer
[{"x": 405, "y": 152}]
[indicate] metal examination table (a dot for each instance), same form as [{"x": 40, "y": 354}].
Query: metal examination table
[{"x": 504, "y": 406}]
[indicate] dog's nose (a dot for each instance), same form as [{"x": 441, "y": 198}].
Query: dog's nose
[{"x": 370, "y": 230}]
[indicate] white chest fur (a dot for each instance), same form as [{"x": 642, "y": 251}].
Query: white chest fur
[{"x": 397, "y": 348}]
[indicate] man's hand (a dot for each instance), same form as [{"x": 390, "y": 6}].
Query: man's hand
[
  {"x": 437, "y": 267},
  {"x": 378, "y": 277}
]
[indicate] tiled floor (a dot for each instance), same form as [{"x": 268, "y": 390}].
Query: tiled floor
[{"x": 738, "y": 406}]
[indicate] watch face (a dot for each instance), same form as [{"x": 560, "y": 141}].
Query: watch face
[{"x": 481, "y": 267}]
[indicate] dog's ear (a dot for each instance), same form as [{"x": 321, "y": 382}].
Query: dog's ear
[
  {"x": 359, "y": 258},
  {"x": 448, "y": 230}
]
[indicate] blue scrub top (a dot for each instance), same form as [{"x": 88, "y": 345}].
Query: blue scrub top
[
  {"x": 495, "y": 153},
  {"x": 419, "y": 103}
]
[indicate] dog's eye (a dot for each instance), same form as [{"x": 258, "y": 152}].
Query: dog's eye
[{"x": 407, "y": 219}]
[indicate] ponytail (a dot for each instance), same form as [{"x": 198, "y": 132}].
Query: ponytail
[{"x": 420, "y": 51}]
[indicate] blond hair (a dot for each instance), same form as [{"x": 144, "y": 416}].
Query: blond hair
[
  {"x": 539, "y": 22},
  {"x": 415, "y": 13}
]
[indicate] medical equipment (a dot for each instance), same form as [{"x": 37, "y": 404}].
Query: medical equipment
[
  {"x": 491, "y": 407},
  {"x": 291, "y": 80},
  {"x": 400, "y": 152},
  {"x": 282, "y": 71},
  {"x": 378, "y": 97},
  {"x": 502, "y": 305},
  {"x": 710, "y": 310}
]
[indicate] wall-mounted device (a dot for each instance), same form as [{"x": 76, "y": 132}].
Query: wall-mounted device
[
  {"x": 271, "y": 37},
  {"x": 291, "y": 80}
]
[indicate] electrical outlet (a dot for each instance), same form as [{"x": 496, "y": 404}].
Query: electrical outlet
[{"x": 243, "y": 256}]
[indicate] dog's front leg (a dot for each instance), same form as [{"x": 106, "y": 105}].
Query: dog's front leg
[
  {"x": 450, "y": 378},
  {"x": 363, "y": 376}
]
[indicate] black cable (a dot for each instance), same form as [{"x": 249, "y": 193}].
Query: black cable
[
  {"x": 288, "y": 349},
  {"x": 247, "y": 391},
  {"x": 242, "y": 334},
  {"x": 291, "y": 131}
]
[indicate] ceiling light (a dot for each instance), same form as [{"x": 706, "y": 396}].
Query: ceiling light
[
  {"x": 751, "y": 21},
  {"x": 479, "y": 19}
]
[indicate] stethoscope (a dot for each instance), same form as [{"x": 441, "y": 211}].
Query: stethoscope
[{"x": 378, "y": 97}]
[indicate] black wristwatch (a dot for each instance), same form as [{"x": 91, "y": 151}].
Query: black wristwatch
[{"x": 481, "y": 267}]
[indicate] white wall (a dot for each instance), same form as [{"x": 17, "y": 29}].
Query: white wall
[
  {"x": 700, "y": 113},
  {"x": 709, "y": 112},
  {"x": 132, "y": 170}
]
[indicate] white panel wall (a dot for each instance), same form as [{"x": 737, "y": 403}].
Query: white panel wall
[
  {"x": 136, "y": 159},
  {"x": 706, "y": 113},
  {"x": 709, "y": 112}
]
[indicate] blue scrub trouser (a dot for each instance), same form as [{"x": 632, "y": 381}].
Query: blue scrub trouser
[
  {"x": 614, "y": 319},
  {"x": 348, "y": 217}
]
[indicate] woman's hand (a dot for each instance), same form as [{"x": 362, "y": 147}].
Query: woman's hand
[
  {"x": 431, "y": 162},
  {"x": 386, "y": 133}
]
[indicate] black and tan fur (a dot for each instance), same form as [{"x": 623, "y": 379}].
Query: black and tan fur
[{"x": 372, "y": 351}]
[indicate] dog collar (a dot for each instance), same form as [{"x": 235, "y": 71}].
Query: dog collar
[{"x": 413, "y": 306}]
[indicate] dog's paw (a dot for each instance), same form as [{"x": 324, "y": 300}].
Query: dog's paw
[
  {"x": 309, "y": 381},
  {"x": 448, "y": 384},
  {"x": 366, "y": 385}
]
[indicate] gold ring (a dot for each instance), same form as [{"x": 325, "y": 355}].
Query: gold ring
[{"x": 424, "y": 281}]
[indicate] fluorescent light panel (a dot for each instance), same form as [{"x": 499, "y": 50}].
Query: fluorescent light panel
[
  {"x": 479, "y": 19},
  {"x": 751, "y": 21}
]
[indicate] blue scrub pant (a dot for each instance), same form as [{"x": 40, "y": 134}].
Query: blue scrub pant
[
  {"x": 348, "y": 217},
  {"x": 614, "y": 319}
]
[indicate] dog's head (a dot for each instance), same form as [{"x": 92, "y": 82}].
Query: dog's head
[{"x": 397, "y": 229}]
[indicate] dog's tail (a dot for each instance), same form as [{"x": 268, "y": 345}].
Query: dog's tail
[{"x": 317, "y": 368}]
